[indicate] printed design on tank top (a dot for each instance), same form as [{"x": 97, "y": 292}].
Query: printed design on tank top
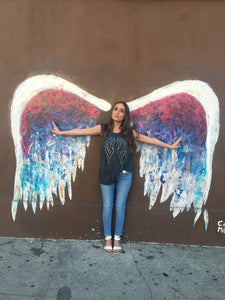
[
  {"x": 122, "y": 151},
  {"x": 109, "y": 148}
]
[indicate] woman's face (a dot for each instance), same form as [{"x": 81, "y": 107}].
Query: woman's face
[{"x": 118, "y": 112}]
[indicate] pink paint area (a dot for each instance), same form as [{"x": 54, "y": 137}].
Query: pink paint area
[
  {"x": 171, "y": 117},
  {"x": 67, "y": 110}
]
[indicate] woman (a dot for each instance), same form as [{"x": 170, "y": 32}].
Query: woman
[{"x": 116, "y": 167}]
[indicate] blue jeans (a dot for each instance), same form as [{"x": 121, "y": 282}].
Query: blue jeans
[{"x": 121, "y": 186}]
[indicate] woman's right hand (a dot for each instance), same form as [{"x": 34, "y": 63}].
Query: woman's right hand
[{"x": 55, "y": 129}]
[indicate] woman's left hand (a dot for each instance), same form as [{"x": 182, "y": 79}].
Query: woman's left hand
[{"x": 176, "y": 144}]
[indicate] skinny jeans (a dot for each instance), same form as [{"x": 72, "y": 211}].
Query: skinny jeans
[{"x": 115, "y": 193}]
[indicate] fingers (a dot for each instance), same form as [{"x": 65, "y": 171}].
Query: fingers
[
  {"x": 176, "y": 144},
  {"x": 55, "y": 128},
  {"x": 54, "y": 125}
]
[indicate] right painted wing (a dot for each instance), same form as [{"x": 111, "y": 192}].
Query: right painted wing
[{"x": 189, "y": 109}]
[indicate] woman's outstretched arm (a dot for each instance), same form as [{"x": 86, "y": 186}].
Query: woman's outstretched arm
[
  {"x": 155, "y": 142},
  {"x": 96, "y": 130}
]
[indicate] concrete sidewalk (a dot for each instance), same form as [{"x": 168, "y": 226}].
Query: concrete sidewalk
[{"x": 73, "y": 269}]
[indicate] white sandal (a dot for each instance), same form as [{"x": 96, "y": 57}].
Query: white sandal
[
  {"x": 108, "y": 249},
  {"x": 115, "y": 248}
]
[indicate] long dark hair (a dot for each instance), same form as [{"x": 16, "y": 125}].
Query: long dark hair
[{"x": 125, "y": 127}]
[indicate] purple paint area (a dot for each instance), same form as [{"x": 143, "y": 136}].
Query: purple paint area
[
  {"x": 172, "y": 117},
  {"x": 67, "y": 110},
  {"x": 50, "y": 161},
  {"x": 183, "y": 169}
]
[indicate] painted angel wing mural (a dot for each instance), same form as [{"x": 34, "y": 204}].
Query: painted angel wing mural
[
  {"x": 47, "y": 163},
  {"x": 188, "y": 109}
]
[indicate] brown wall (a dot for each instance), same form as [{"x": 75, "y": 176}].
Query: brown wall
[{"x": 113, "y": 49}]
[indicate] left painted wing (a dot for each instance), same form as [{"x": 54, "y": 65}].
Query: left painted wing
[
  {"x": 188, "y": 109},
  {"x": 47, "y": 163}
]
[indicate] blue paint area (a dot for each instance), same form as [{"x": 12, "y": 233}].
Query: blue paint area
[
  {"x": 181, "y": 172},
  {"x": 50, "y": 161}
]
